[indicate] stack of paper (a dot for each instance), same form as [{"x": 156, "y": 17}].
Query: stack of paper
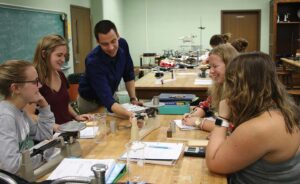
[
  {"x": 74, "y": 167},
  {"x": 203, "y": 82},
  {"x": 133, "y": 108},
  {"x": 88, "y": 132},
  {"x": 158, "y": 153}
]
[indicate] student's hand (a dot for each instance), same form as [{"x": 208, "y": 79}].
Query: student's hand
[
  {"x": 83, "y": 117},
  {"x": 56, "y": 127},
  {"x": 189, "y": 120},
  {"x": 224, "y": 110},
  {"x": 41, "y": 101}
]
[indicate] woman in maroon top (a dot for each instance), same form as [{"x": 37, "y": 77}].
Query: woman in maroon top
[{"x": 49, "y": 56}]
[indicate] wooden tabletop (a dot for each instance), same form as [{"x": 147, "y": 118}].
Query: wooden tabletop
[
  {"x": 186, "y": 170},
  {"x": 291, "y": 62},
  {"x": 147, "y": 86}
]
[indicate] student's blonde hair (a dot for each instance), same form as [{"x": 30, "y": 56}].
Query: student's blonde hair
[
  {"x": 10, "y": 72},
  {"x": 43, "y": 51},
  {"x": 226, "y": 52}
]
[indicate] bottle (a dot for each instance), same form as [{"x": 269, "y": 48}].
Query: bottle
[
  {"x": 134, "y": 130},
  {"x": 99, "y": 173}
]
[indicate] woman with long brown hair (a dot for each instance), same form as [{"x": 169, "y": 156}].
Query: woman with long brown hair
[{"x": 265, "y": 144}]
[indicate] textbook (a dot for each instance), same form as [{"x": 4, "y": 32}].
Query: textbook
[
  {"x": 81, "y": 168},
  {"x": 161, "y": 153}
]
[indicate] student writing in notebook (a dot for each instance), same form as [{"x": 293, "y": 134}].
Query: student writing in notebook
[
  {"x": 49, "y": 57},
  {"x": 265, "y": 144},
  {"x": 219, "y": 58},
  {"x": 19, "y": 85}
]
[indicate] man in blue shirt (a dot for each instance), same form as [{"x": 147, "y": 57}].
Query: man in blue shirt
[{"x": 105, "y": 66}]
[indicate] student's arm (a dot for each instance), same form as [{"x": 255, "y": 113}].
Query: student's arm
[
  {"x": 247, "y": 144},
  {"x": 10, "y": 158},
  {"x": 43, "y": 129}
]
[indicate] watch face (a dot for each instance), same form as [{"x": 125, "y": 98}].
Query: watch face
[{"x": 218, "y": 122}]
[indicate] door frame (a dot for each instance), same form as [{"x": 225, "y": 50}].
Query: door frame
[
  {"x": 76, "y": 47},
  {"x": 256, "y": 11}
]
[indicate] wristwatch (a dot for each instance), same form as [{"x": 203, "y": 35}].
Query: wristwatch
[
  {"x": 221, "y": 122},
  {"x": 133, "y": 99}
]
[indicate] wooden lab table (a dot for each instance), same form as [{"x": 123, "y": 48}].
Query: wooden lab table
[
  {"x": 186, "y": 170},
  {"x": 291, "y": 62},
  {"x": 146, "y": 87}
]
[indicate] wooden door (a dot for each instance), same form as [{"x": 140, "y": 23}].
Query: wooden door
[
  {"x": 243, "y": 23},
  {"x": 81, "y": 36}
]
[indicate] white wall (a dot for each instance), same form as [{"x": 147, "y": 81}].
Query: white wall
[
  {"x": 113, "y": 10},
  {"x": 156, "y": 25},
  {"x": 53, "y": 5}
]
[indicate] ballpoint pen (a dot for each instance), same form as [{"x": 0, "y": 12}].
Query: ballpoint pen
[{"x": 159, "y": 147}]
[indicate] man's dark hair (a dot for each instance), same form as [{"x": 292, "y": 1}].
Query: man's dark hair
[{"x": 103, "y": 27}]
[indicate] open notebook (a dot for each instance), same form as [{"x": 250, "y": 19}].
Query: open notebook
[
  {"x": 70, "y": 167},
  {"x": 158, "y": 153}
]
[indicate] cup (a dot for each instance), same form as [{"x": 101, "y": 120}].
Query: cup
[
  {"x": 155, "y": 100},
  {"x": 99, "y": 128},
  {"x": 135, "y": 161},
  {"x": 113, "y": 126}
]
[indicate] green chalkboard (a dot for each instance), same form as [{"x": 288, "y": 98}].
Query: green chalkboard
[{"x": 21, "y": 28}]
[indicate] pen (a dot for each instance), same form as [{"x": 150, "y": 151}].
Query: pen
[{"x": 159, "y": 147}]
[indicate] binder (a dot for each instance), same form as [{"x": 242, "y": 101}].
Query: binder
[{"x": 174, "y": 97}]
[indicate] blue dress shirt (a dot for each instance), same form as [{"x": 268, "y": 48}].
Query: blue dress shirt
[{"x": 104, "y": 73}]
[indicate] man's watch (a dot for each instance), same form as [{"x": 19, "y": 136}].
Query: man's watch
[
  {"x": 221, "y": 122},
  {"x": 133, "y": 99}
]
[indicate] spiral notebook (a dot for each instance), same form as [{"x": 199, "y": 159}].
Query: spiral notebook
[{"x": 81, "y": 168}]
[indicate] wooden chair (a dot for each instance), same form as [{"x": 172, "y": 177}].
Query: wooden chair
[
  {"x": 285, "y": 76},
  {"x": 296, "y": 95}
]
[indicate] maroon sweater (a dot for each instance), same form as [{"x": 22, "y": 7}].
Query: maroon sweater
[{"x": 58, "y": 100}]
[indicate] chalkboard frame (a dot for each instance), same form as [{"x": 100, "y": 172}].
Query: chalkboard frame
[{"x": 4, "y": 49}]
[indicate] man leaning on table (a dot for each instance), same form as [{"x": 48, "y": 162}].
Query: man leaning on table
[{"x": 105, "y": 66}]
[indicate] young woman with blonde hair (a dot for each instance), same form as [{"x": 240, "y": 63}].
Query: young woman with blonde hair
[
  {"x": 49, "y": 57},
  {"x": 19, "y": 85},
  {"x": 219, "y": 58}
]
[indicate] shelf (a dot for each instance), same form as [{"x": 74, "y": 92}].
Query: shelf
[{"x": 298, "y": 22}]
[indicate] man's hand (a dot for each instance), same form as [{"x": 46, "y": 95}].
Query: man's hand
[{"x": 135, "y": 101}]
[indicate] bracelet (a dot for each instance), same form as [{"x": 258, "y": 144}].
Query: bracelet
[{"x": 202, "y": 124}]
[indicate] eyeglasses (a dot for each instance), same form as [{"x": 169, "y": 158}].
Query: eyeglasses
[{"x": 36, "y": 82}]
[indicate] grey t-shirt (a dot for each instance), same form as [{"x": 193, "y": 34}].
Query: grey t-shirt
[
  {"x": 268, "y": 173},
  {"x": 15, "y": 127}
]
